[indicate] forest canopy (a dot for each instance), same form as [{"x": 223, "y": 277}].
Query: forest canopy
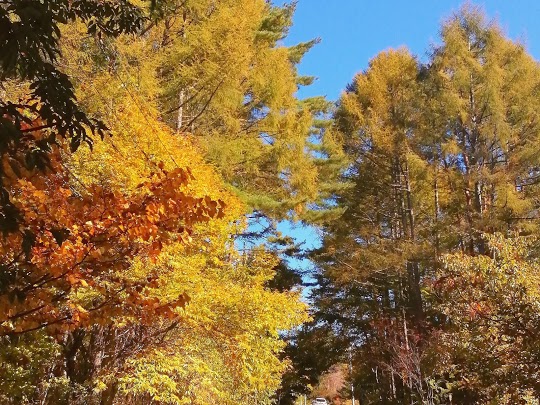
[
  {"x": 150, "y": 149},
  {"x": 427, "y": 284},
  {"x": 121, "y": 279}
]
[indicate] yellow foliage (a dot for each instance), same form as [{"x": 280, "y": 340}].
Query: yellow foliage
[{"x": 225, "y": 345}]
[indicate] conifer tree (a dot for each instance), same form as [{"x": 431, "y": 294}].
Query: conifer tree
[{"x": 441, "y": 154}]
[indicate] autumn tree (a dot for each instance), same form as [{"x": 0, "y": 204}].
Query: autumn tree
[
  {"x": 149, "y": 288},
  {"x": 489, "y": 349},
  {"x": 241, "y": 103},
  {"x": 129, "y": 286},
  {"x": 70, "y": 269},
  {"x": 38, "y": 105},
  {"x": 441, "y": 154}
]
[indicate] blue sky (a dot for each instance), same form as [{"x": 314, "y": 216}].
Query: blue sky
[{"x": 354, "y": 31}]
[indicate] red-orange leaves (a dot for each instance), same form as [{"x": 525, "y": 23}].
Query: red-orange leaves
[{"x": 68, "y": 265}]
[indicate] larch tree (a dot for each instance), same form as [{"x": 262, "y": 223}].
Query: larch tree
[
  {"x": 442, "y": 153},
  {"x": 241, "y": 103}
]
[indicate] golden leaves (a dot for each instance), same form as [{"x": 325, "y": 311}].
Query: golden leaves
[{"x": 85, "y": 241}]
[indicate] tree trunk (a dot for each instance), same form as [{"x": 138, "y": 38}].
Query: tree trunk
[{"x": 180, "y": 118}]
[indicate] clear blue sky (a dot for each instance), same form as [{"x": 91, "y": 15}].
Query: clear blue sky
[{"x": 354, "y": 31}]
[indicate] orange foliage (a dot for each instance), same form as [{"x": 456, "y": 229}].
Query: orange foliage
[{"x": 67, "y": 265}]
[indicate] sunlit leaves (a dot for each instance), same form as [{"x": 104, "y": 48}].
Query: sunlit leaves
[
  {"x": 82, "y": 240},
  {"x": 491, "y": 311}
]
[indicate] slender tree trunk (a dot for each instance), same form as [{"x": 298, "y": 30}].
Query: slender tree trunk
[
  {"x": 181, "y": 94},
  {"x": 405, "y": 330},
  {"x": 468, "y": 201},
  {"x": 393, "y": 385},
  {"x": 410, "y": 209},
  {"x": 436, "y": 212},
  {"x": 180, "y": 118}
]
